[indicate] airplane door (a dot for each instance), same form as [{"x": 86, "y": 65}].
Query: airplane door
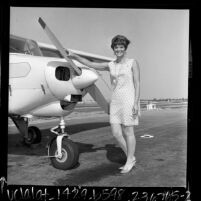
[{"x": 58, "y": 77}]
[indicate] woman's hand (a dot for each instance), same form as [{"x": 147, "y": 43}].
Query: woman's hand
[{"x": 135, "y": 110}]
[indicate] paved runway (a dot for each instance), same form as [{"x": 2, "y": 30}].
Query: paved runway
[{"x": 161, "y": 160}]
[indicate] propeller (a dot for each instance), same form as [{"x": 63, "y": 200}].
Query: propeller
[
  {"x": 58, "y": 45},
  {"x": 97, "y": 89}
]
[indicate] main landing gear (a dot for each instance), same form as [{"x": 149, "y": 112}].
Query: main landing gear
[
  {"x": 63, "y": 152},
  {"x": 31, "y": 135}
]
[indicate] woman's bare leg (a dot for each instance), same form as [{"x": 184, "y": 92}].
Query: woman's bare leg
[
  {"x": 117, "y": 133},
  {"x": 130, "y": 144}
]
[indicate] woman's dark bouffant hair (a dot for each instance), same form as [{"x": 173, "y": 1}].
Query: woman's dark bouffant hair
[{"x": 120, "y": 40}]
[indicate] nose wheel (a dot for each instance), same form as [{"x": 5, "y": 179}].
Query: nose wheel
[
  {"x": 69, "y": 154},
  {"x": 63, "y": 152}
]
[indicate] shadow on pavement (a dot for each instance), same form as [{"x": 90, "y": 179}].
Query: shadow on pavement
[
  {"x": 114, "y": 155},
  {"x": 16, "y": 147},
  {"x": 88, "y": 175}
]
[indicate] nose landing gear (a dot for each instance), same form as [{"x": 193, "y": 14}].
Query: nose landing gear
[{"x": 63, "y": 152}]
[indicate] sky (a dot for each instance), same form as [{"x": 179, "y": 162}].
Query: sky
[{"x": 159, "y": 40}]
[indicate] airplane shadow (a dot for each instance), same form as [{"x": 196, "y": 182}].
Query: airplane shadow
[
  {"x": 113, "y": 153},
  {"x": 73, "y": 129}
]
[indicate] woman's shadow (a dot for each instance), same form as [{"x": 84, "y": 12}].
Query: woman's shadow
[{"x": 113, "y": 153}]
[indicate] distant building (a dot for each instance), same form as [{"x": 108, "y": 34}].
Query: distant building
[{"x": 151, "y": 106}]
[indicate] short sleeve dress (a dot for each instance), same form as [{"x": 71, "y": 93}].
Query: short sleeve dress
[{"x": 123, "y": 93}]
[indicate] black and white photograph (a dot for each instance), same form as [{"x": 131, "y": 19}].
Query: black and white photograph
[{"x": 98, "y": 97}]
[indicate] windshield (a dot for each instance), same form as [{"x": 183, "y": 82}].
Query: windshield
[
  {"x": 17, "y": 46},
  {"x": 24, "y": 46}
]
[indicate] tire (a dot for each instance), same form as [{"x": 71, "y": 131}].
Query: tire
[
  {"x": 34, "y": 135},
  {"x": 70, "y": 154}
]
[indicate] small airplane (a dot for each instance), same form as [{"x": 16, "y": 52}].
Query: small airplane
[{"x": 44, "y": 82}]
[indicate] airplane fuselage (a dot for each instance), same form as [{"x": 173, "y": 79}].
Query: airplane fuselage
[{"x": 37, "y": 82}]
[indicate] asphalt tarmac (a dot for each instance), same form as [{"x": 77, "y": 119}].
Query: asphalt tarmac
[{"x": 161, "y": 159}]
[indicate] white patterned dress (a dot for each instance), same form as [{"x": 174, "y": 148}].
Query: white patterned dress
[{"x": 123, "y": 93}]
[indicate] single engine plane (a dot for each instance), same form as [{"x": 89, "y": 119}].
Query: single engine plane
[{"x": 44, "y": 82}]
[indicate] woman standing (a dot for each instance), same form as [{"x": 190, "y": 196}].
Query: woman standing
[{"x": 125, "y": 100}]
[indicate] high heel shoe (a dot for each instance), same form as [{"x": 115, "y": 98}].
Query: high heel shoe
[
  {"x": 126, "y": 170},
  {"x": 122, "y": 167}
]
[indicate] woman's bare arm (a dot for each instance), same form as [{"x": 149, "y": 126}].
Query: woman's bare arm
[
  {"x": 136, "y": 75},
  {"x": 95, "y": 65}
]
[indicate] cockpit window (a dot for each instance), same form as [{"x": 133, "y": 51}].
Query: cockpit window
[
  {"x": 33, "y": 48},
  {"x": 17, "y": 70},
  {"x": 17, "y": 45},
  {"x": 47, "y": 52},
  {"x": 24, "y": 46},
  {"x": 62, "y": 73}
]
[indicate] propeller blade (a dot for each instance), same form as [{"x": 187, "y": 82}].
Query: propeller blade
[
  {"x": 101, "y": 92},
  {"x": 98, "y": 97},
  {"x": 58, "y": 45}
]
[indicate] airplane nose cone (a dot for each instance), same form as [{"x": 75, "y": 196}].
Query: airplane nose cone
[{"x": 87, "y": 78}]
